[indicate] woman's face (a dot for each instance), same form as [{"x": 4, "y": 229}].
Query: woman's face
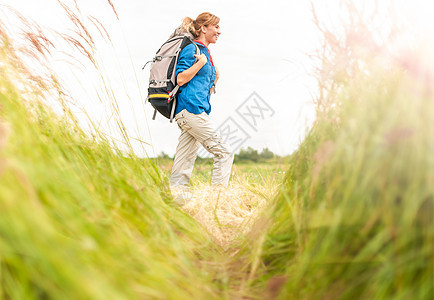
[{"x": 212, "y": 33}]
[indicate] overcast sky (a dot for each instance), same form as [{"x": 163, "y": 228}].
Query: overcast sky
[{"x": 261, "y": 53}]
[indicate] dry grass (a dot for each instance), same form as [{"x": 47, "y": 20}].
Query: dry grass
[{"x": 226, "y": 213}]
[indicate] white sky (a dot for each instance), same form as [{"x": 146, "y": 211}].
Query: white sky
[{"x": 262, "y": 49}]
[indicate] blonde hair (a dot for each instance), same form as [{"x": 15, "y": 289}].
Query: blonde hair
[{"x": 194, "y": 26}]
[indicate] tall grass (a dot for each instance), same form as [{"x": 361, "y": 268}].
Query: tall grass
[
  {"x": 354, "y": 219},
  {"x": 80, "y": 219}
]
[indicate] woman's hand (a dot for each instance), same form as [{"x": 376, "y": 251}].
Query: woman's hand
[
  {"x": 187, "y": 75},
  {"x": 201, "y": 59}
]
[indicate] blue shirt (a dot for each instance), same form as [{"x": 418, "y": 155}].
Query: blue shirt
[{"x": 194, "y": 95}]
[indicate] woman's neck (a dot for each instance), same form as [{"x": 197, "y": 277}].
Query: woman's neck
[{"x": 203, "y": 40}]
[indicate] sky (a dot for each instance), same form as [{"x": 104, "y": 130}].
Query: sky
[{"x": 265, "y": 93}]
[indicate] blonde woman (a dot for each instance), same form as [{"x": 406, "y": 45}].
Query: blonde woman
[{"x": 197, "y": 81}]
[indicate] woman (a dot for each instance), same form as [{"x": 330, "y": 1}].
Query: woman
[{"x": 196, "y": 81}]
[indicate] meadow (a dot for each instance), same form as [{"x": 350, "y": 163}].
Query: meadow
[
  {"x": 248, "y": 172},
  {"x": 348, "y": 215}
]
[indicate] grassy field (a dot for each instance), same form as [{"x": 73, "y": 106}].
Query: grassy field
[
  {"x": 355, "y": 217},
  {"x": 349, "y": 215},
  {"x": 80, "y": 219},
  {"x": 249, "y": 173}
]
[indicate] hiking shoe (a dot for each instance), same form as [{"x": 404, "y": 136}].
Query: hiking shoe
[{"x": 181, "y": 195}]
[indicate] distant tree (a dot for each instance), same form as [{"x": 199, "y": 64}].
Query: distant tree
[
  {"x": 266, "y": 154},
  {"x": 163, "y": 155},
  {"x": 248, "y": 154}
]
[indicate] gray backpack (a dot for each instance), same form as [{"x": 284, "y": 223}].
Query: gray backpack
[{"x": 163, "y": 89}]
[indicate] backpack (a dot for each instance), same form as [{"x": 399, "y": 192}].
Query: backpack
[{"x": 163, "y": 90}]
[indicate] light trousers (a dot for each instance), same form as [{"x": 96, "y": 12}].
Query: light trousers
[{"x": 197, "y": 130}]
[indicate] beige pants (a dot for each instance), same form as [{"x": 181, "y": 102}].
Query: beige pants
[{"x": 196, "y": 130}]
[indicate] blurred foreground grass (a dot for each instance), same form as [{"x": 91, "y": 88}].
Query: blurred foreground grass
[{"x": 354, "y": 219}]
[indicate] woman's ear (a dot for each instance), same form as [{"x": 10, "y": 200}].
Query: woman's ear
[{"x": 203, "y": 29}]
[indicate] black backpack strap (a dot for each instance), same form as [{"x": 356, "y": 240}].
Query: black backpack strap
[
  {"x": 155, "y": 113},
  {"x": 197, "y": 51}
]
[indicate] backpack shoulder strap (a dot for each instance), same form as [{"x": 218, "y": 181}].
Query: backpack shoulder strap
[{"x": 197, "y": 48}]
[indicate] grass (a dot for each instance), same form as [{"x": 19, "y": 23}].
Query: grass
[
  {"x": 354, "y": 219},
  {"x": 248, "y": 173},
  {"x": 348, "y": 216},
  {"x": 80, "y": 219}
]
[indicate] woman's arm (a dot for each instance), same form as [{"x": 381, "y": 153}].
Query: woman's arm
[{"x": 187, "y": 75}]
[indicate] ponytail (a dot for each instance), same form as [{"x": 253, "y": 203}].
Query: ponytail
[{"x": 188, "y": 24}]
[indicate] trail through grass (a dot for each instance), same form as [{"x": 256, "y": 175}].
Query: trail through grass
[
  {"x": 228, "y": 213},
  {"x": 350, "y": 216}
]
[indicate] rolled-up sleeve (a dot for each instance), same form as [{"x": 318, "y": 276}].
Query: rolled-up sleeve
[{"x": 186, "y": 58}]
